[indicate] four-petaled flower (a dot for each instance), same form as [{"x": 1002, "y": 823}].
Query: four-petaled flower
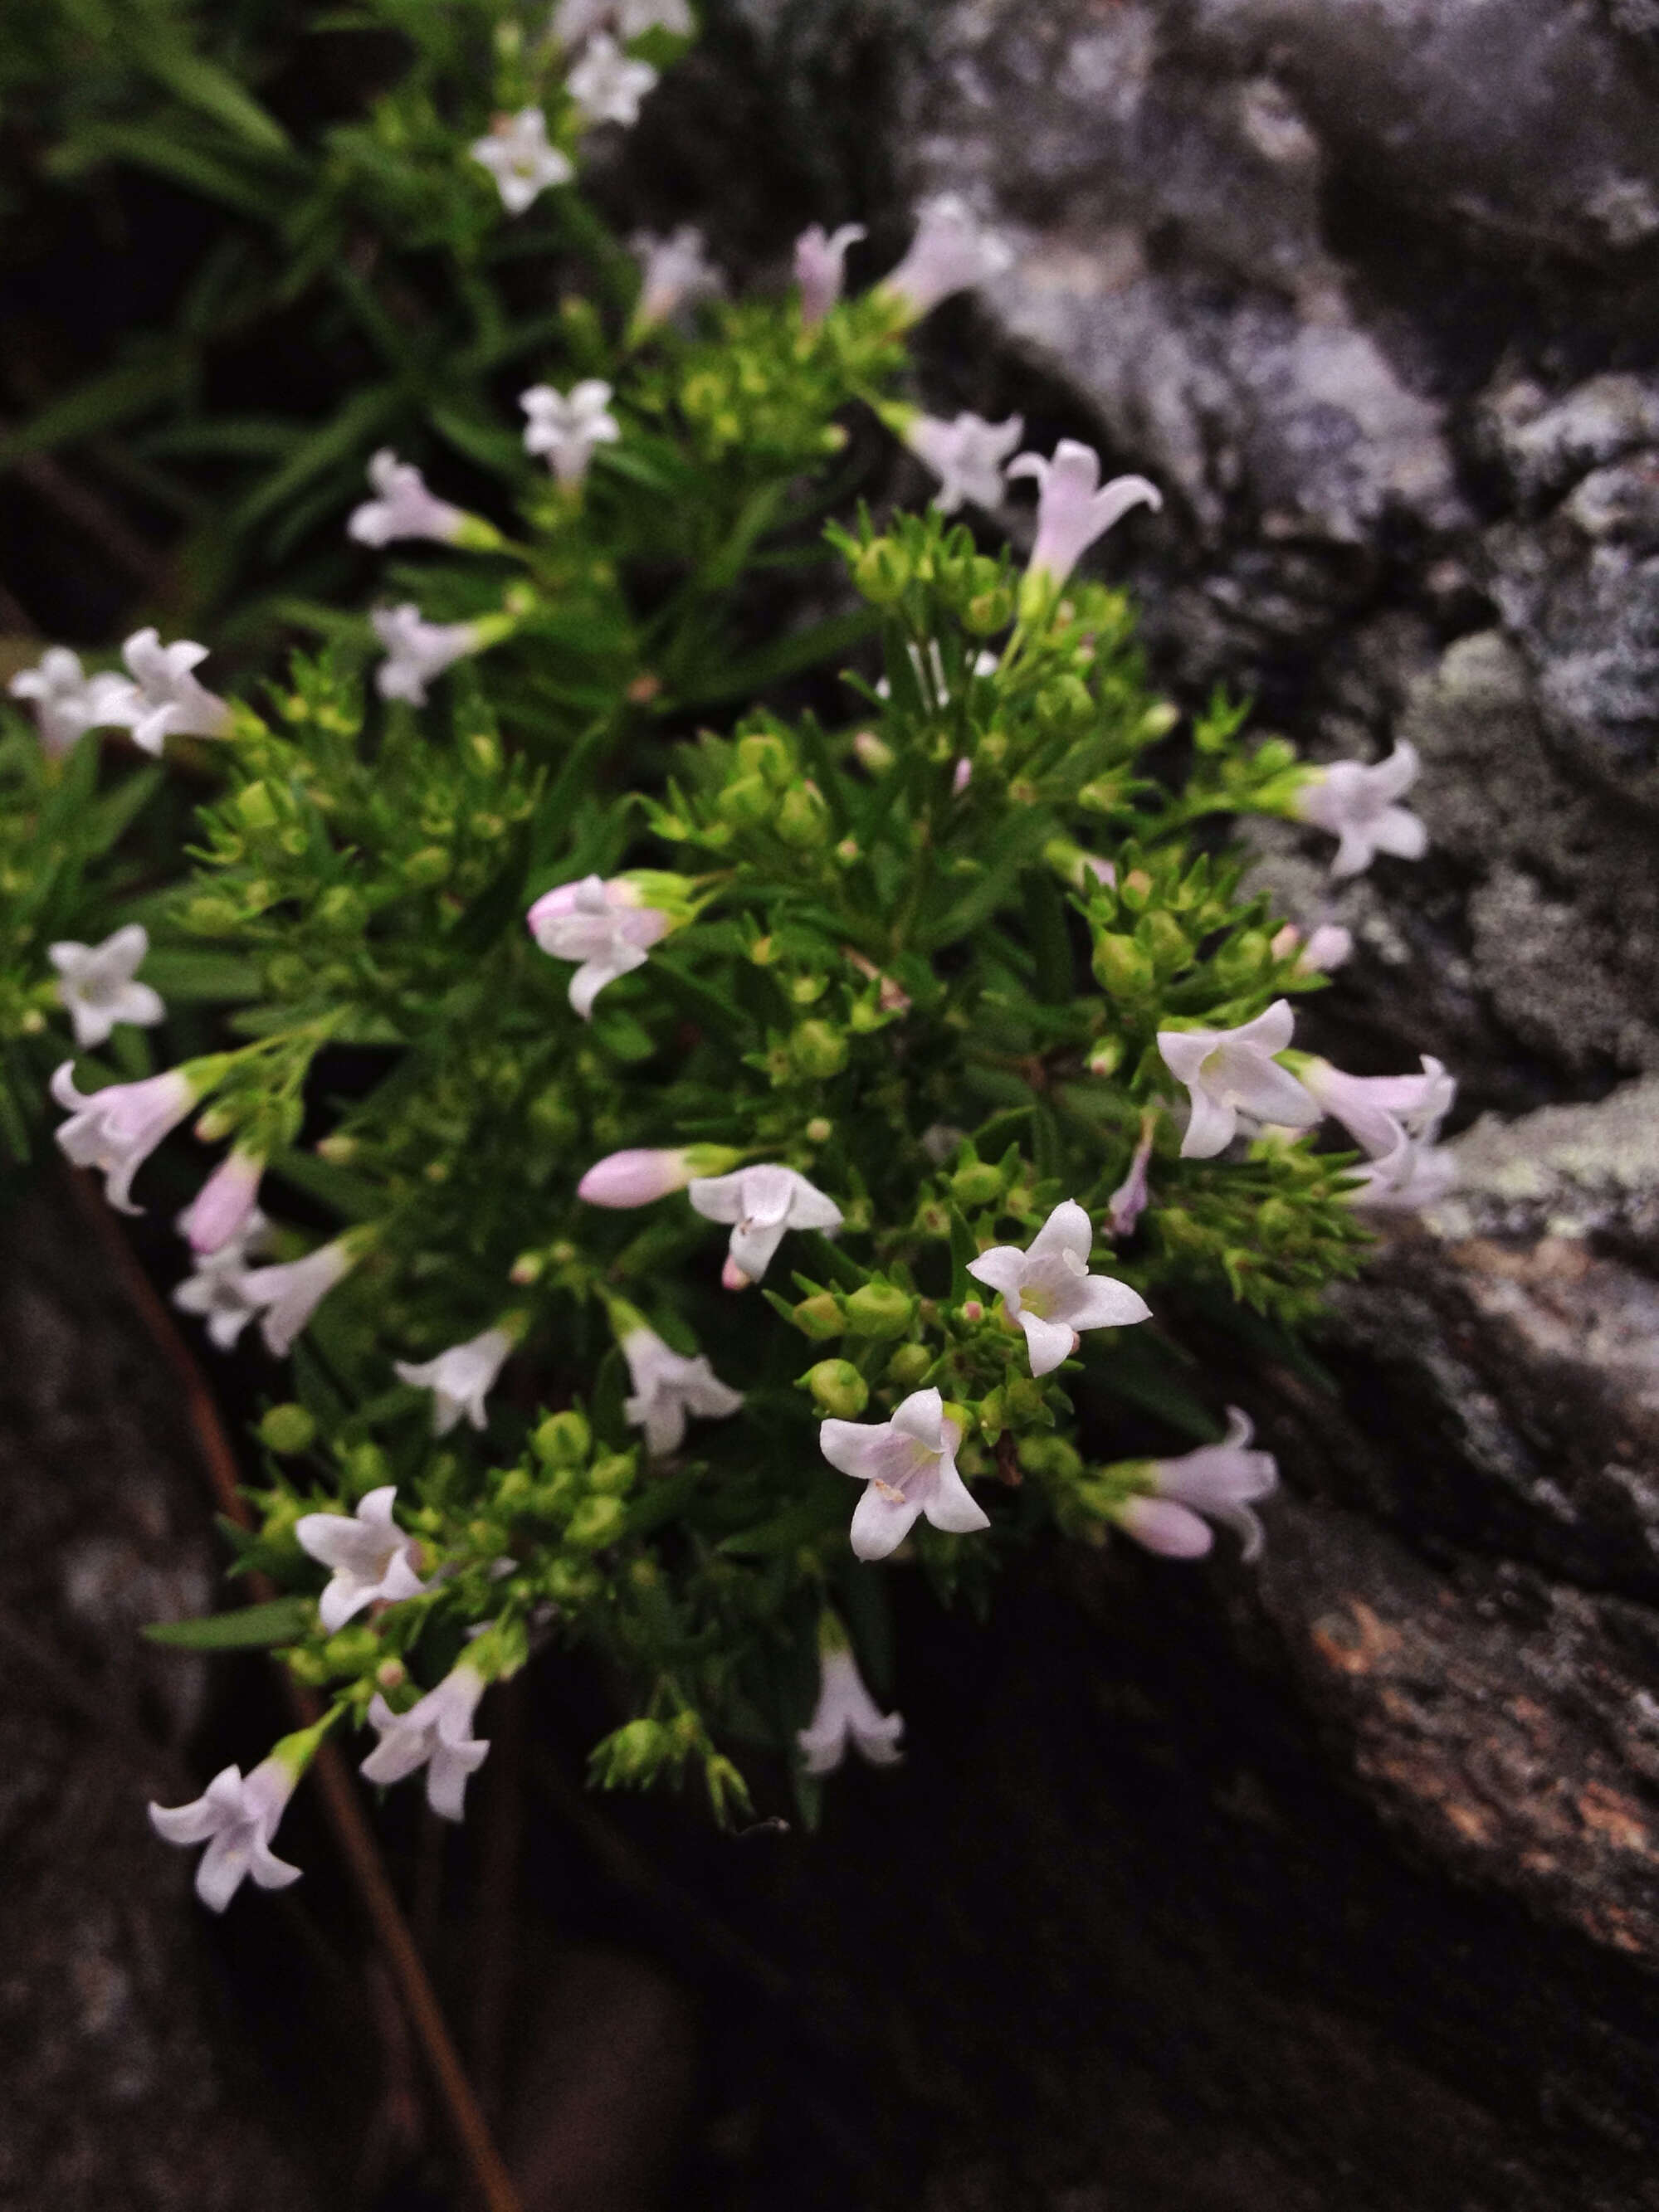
[
  {"x": 673, "y": 273},
  {"x": 1418, "y": 1172},
  {"x": 910, "y": 1463},
  {"x": 171, "y": 703},
  {"x": 459, "y": 1379},
  {"x": 517, "y": 155},
  {"x": 1220, "y": 1480},
  {"x": 1048, "y": 1291},
  {"x": 847, "y": 1713},
  {"x": 605, "y": 926},
  {"x": 216, "y": 1290},
  {"x": 417, "y": 651},
  {"x": 435, "y": 1734},
  {"x": 1073, "y": 507},
  {"x": 949, "y": 254},
  {"x": 1358, "y": 805},
  {"x": 821, "y": 267},
  {"x": 403, "y": 507},
  {"x": 116, "y": 1130},
  {"x": 762, "y": 1202},
  {"x": 667, "y": 1387},
  {"x": 95, "y": 984},
  {"x": 968, "y": 456},
  {"x": 67, "y": 702},
  {"x": 1233, "y": 1071},
  {"x": 606, "y": 85},
  {"x": 286, "y": 1296},
  {"x": 1377, "y": 1111},
  {"x": 566, "y": 426},
  {"x": 236, "y": 1820},
  {"x": 369, "y": 1557}
]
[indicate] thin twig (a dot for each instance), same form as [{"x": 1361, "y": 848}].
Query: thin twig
[{"x": 489, "y": 2174}]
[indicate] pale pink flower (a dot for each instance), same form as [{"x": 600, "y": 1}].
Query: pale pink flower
[
  {"x": 566, "y": 426},
  {"x": 67, "y": 702},
  {"x": 518, "y": 155},
  {"x": 949, "y": 254},
  {"x": 1222, "y": 1481},
  {"x": 459, "y": 1379},
  {"x": 821, "y": 267},
  {"x": 606, "y": 85},
  {"x": 96, "y": 986},
  {"x": 909, "y": 1464},
  {"x": 606, "y": 926},
  {"x": 225, "y": 1204},
  {"x": 967, "y": 455},
  {"x": 369, "y": 1557},
  {"x": 1232, "y": 1072},
  {"x": 116, "y": 1130},
  {"x": 1048, "y": 1291},
  {"x": 1073, "y": 507},
  {"x": 418, "y": 650},
  {"x": 171, "y": 702},
  {"x": 403, "y": 507},
  {"x": 288, "y": 1295},
  {"x": 1356, "y": 804},
  {"x": 762, "y": 1202},
  {"x": 1377, "y": 1111},
  {"x": 436, "y": 1734},
  {"x": 846, "y": 1713},
  {"x": 236, "y": 1820},
  {"x": 667, "y": 1388}
]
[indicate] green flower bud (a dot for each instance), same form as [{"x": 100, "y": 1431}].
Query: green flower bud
[
  {"x": 287, "y": 1428},
  {"x": 908, "y": 1364},
  {"x": 802, "y": 818},
  {"x": 978, "y": 1183},
  {"x": 820, "y": 1316},
  {"x": 747, "y": 802},
  {"x": 1121, "y": 969},
  {"x": 558, "y": 1496},
  {"x": 1106, "y": 1057},
  {"x": 634, "y": 1753},
  {"x": 1170, "y": 947},
  {"x": 595, "y": 1523},
  {"x": 1276, "y": 1221},
  {"x": 563, "y": 1440},
  {"x": 254, "y": 807},
  {"x": 308, "y": 1667},
  {"x": 763, "y": 754},
  {"x": 989, "y": 612},
  {"x": 570, "y": 1582},
  {"x": 352, "y": 1650},
  {"x": 613, "y": 1475},
  {"x": 816, "y": 1050},
  {"x": 1065, "y": 705},
  {"x": 882, "y": 572},
  {"x": 367, "y": 1469},
  {"x": 880, "y": 1310},
  {"x": 838, "y": 1387},
  {"x": 513, "y": 1490}
]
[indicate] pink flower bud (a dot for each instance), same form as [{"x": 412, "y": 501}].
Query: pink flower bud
[
  {"x": 224, "y": 1203},
  {"x": 732, "y": 1277},
  {"x": 636, "y": 1177},
  {"x": 1162, "y": 1525}
]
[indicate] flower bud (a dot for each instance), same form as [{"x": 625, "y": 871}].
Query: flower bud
[
  {"x": 882, "y": 572},
  {"x": 1106, "y": 1057},
  {"x": 977, "y": 1183},
  {"x": 908, "y": 1364},
  {"x": 563, "y": 1440},
  {"x": 747, "y": 802},
  {"x": 820, "y": 1316},
  {"x": 613, "y": 1475},
  {"x": 1121, "y": 969},
  {"x": 431, "y": 865},
  {"x": 570, "y": 1582},
  {"x": 989, "y": 612},
  {"x": 816, "y": 1050},
  {"x": 287, "y": 1428},
  {"x": 839, "y": 1388},
  {"x": 1171, "y": 949},
  {"x": 595, "y": 1523},
  {"x": 873, "y": 752},
  {"x": 639, "y": 1175},
  {"x": 765, "y": 755},
  {"x": 880, "y": 1310},
  {"x": 802, "y": 818}
]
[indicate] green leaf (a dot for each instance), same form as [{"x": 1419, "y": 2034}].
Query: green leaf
[
  {"x": 103, "y": 403},
  {"x": 282, "y": 1620},
  {"x": 210, "y": 90},
  {"x": 803, "y": 649},
  {"x": 963, "y": 1250},
  {"x": 192, "y": 978}
]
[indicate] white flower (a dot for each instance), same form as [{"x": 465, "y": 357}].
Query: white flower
[
  {"x": 968, "y": 456},
  {"x": 1329, "y": 946},
  {"x": 171, "y": 702},
  {"x": 667, "y": 1387},
  {"x": 566, "y": 426},
  {"x": 67, "y": 702},
  {"x": 459, "y": 1379},
  {"x": 517, "y": 155},
  {"x": 435, "y": 1734},
  {"x": 287, "y": 1296},
  {"x": 1222, "y": 1481},
  {"x": 762, "y": 1202},
  {"x": 115, "y": 1130},
  {"x": 225, "y": 1204},
  {"x": 910, "y": 1465},
  {"x": 1073, "y": 507},
  {"x": 606, "y": 85},
  {"x": 576, "y": 19},
  {"x": 604, "y": 926},
  {"x": 236, "y": 1820},
  {"x": 404, "y": 506},
  {"x": 1233, "y": 1071},
  {"x": 417, "y": 650},
  {"x": 821, "y": 267},
  {"x": 369, "y": 1557},
  {"x": 1356, "y": 804},
  {"x": 1377, "y": 1111},
  {"x": 673, "y": 273},
  {"x": 847, "y": 1713},
  {"x": 217, "y": 1290},
  {"x": 1417, "y": 1173},
  {"x": 1048, "y": 1291},
  {"x": 949, "y": 254},
  {"x": 95, "y": 983}
]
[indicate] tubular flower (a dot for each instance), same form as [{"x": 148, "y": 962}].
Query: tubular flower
[
  {"x": 762, "y": 1202},
  {"x": 171, "y": 703},
  {"x": 1326, "y": 947},
  {"x": 287, "y": 1296},
  {"x": 1133, "y": 1196},
  {"x": 217, "y": 1292},
  {"x": 910, "y": 1463},
  {"x": 67, "y": 702},
  {"x": 1073, "y": 507},
  {"x": 606, "y": 926},
  {"x": 459, "y": 1379},
  {"x": 638, "y": 1176},
  {"x": 1358, "y": 805},
  {"x": 674, "y": 272},
  {"x": 236, "y": 1820},
  {"x": 226, "y": 1203},
  {"x": 417, "y": 651},
  {"x": 369, "y": 1555},
  {"x": 968, "y": 456},
  {"x": 1230, "y": 1072},
  {"x": 115, "y": 1130},
  {"x": 436, "y": 1734},
  {"x": 821, "y": 267},
  {"x": 846, "y": 1713},
  {"x": 1418, "y": 1172},
  {"x": 403, "y": 507},
  {"x": 1222, "y": 1481},
  {"x": 95, "y": 985},
  {"x": 1378, "y": 1110},
  {"x": 1048, "y": 1291},
  {"x": 566, "y": 426},
  {"x": 949, "y": 254},
  {"x": 517, "y": 155},
  {"x": 667, "y": 1387},
  {"x": 606, "y": 86}
]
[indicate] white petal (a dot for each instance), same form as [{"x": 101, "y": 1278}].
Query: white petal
[
  {"x": 1049, "y": 1342},
  {"x": 881, "y": 1523}
]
